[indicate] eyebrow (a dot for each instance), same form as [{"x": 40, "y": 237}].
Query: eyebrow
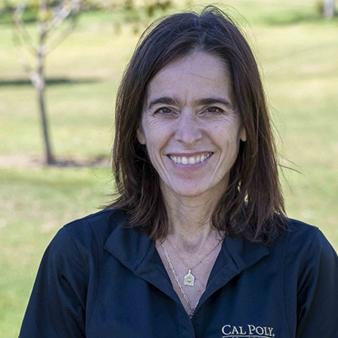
[
  {"x": 201, "y": 102},
  {"x": 163, "y": 100}
]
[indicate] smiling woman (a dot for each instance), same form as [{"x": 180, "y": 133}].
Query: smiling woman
[
  {"x": 190, "y": 128},
  {"x": 196, "y": 242}
]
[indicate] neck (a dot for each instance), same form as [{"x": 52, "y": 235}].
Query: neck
[{"x": 190, "y": 220}]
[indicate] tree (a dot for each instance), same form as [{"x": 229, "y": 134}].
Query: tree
[
  {"x": 329, "y": 8},
  {"x": 50, "y": 17},
  {"x": 55, "y": 20}
]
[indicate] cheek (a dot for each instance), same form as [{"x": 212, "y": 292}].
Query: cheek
[
  {"x": 227, "y": 133},
  {"x": 230, "y": 145},
  {"x": 156, "y": 133},
  {"x": 154, "y": 144},
  {"x": 231, "y": 151}
]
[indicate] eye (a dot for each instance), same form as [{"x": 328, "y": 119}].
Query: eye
[
  {"x": 214, "y": 110},
  {"x": 165, "y": 111}
]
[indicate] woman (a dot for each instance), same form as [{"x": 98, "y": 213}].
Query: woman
[{"x": 197, "y": 243}]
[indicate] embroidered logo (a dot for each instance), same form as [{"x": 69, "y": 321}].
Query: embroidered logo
[{"x": 247, "y": 331}]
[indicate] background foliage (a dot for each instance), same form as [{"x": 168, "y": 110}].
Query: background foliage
[{"x": 298, "y": 54}]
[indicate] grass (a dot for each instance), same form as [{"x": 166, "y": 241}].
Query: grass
[{"x": 298, "y": 57}]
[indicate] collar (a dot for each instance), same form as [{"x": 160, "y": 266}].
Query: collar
[
  {"x": 136, "y": 251},
  {"x": 236, "y": 255}
]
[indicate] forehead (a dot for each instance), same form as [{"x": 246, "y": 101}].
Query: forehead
[{"x": 197, "y": 74}]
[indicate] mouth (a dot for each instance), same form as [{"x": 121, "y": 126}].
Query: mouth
[{"x": 190, "y": 159}]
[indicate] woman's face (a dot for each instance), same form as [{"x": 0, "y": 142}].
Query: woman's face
[{"x": 190, "y": 127}]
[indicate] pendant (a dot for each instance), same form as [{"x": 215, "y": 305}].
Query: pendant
[{"x": 189, "y": 279}]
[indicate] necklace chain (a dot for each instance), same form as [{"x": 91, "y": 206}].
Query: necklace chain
[
  {"x": 200, "y": 261},
  {"x": 189, "y": 278},
  {"x": 191, "y": 308}
]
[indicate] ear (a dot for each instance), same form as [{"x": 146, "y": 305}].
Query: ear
[
  {"x": 140, "y": 135},
  {"x": 242, "y": 134}
]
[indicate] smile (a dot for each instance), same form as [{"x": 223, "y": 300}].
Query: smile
[{"x": 190, "y": 160}]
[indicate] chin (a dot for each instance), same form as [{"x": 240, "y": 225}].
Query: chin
[{"x": 189, "y": 191}]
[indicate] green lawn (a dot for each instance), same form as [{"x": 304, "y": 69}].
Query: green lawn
[{"x": 298, "y": 56}]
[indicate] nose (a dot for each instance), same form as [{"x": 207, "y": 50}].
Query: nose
[{"x": 188, "y": 130}]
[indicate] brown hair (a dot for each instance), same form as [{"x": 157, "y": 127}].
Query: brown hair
[{"x": 252, "y": 206}]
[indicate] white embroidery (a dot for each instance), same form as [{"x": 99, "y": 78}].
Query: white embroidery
[{"x": 247, "y": 331}]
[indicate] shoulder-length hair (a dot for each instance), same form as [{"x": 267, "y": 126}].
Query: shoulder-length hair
[{"x": 252, "y": 207}]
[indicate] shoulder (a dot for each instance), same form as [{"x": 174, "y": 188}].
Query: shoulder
[
  {"x": 301, "y": 236},
  {"x": 310, "y": 279},
  {"x": 305, "y": 248},
  {"x": 99, "y": 223},
  {"x": 87, "y": 233}
]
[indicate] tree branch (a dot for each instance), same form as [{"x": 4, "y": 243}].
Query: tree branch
[
  {"x": 59, "y": 39},
  {"x": 22, "y": 34},
  {"x": 62, "y": 12}
]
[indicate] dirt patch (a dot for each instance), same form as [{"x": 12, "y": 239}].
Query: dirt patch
[{"x": 23, "y": 161}]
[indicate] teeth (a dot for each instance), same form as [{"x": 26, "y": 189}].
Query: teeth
[{"x": 190, "y": 160}]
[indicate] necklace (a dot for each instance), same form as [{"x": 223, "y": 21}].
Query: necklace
[
  {"x": 189, "y": 278},
  {"x": 191, "y": 308}
]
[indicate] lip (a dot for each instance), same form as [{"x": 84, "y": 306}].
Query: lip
[
  {"x": 187, "y": 166},
  {"x": 190, "y": 154}
]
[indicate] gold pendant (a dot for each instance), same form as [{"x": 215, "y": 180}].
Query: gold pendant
[{"x": 189, "y": 279}]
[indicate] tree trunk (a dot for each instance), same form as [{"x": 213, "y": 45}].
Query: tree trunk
[
  {"x": 329, "y": 8},
  {"x": 41, "y": 90},
  {"x": 40, "y": 86}
]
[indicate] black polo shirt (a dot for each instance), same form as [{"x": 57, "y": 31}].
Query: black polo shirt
[{"x": 99, "y": 279}]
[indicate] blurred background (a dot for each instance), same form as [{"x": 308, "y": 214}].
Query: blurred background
[{"x": 60, "y": 65}]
